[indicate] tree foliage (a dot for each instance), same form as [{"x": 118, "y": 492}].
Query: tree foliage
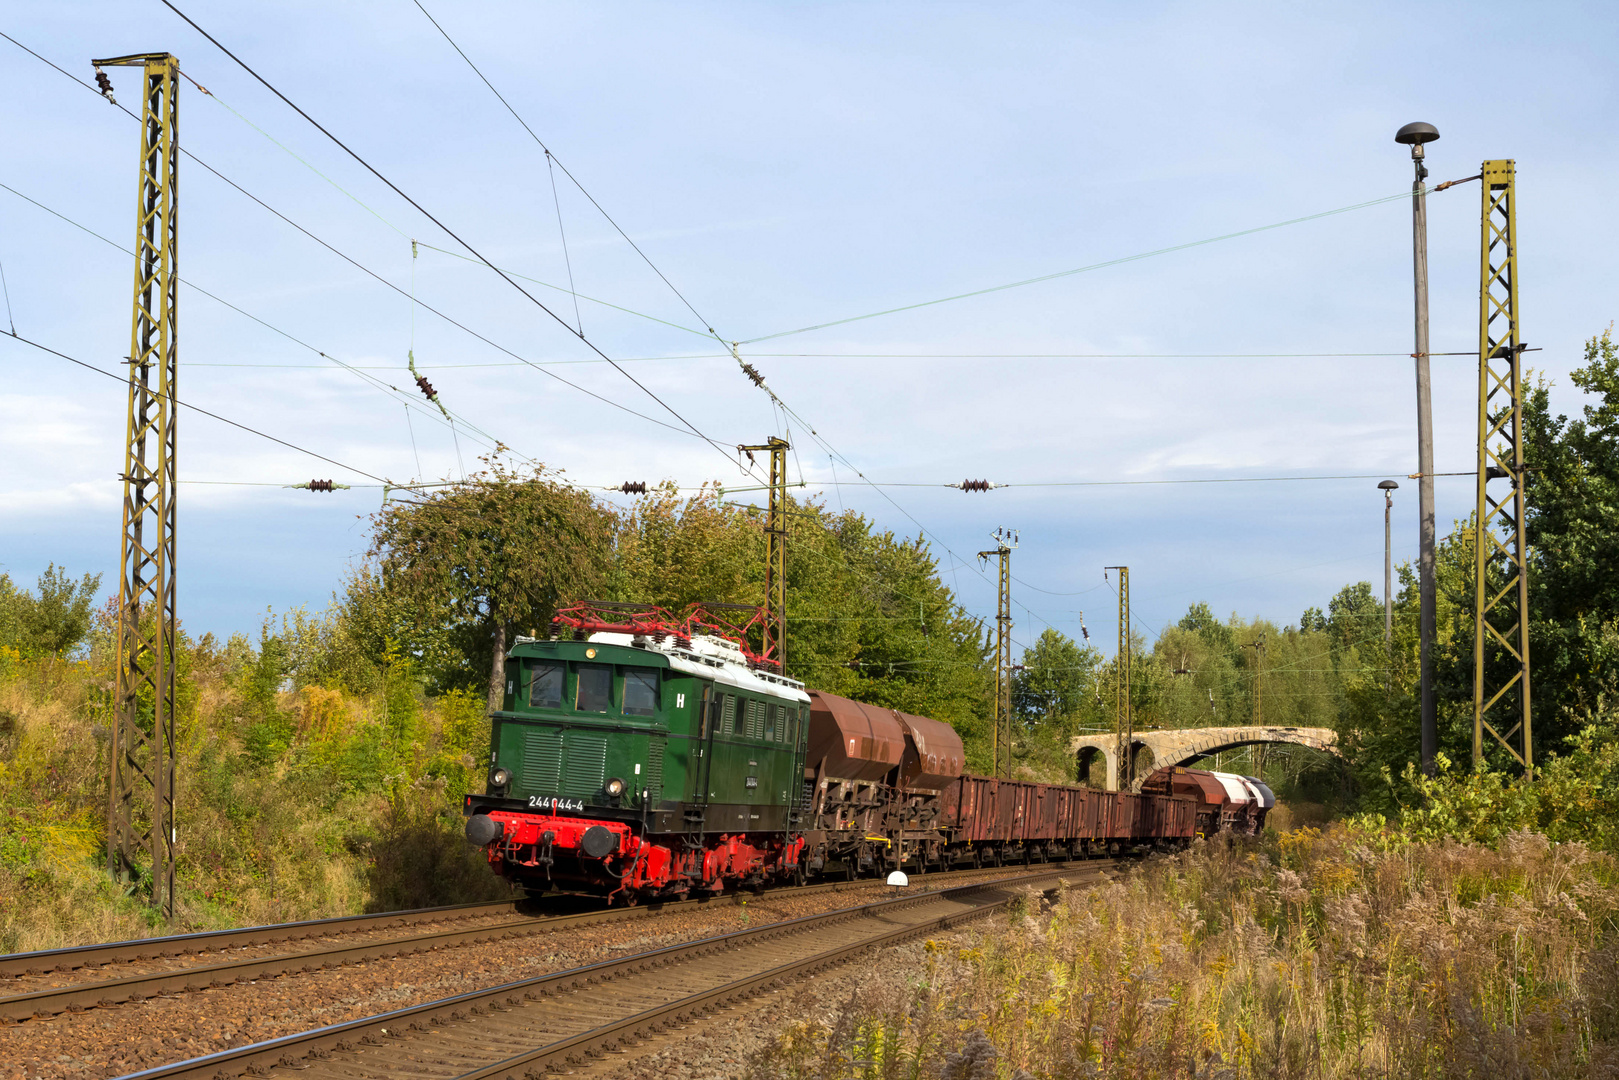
[
  {"x": 51, "y": 620},
  {"x": 467, "y": 565}
]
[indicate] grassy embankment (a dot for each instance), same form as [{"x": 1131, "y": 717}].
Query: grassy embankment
[
  {"x": 299, "y": 805},
  {"x": 1344, "y": 953}
]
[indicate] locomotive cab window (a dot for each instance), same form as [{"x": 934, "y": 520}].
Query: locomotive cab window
[
  {"x": 640, "y": 692},
  {"x": 770, "y": 722},
  {"x": 545, "y": 686},
  {"x": 594, "y": 687}
]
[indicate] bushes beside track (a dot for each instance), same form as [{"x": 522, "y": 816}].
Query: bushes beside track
[
  {"x": 1345, "y": 953},
  {"x": 293, "y": 804}
]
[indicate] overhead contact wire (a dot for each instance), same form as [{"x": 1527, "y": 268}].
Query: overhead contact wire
[
  {"x": 370, "y": 380},
  {"x": 357, "y": 264},
  {"x": 447, "y": 230},
  {"x": 1080, "y": 269},
  {"x": 550, "y": 157},
  {"x": 7, "y": 289},
  {"x": 205, "y": 412}
]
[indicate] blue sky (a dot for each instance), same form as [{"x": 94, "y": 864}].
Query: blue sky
[{"x": 787, "y": 165}]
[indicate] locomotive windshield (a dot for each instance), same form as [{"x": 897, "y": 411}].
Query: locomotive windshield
[
  {"x": 591, "y": 688},
  {"x": 545, "y": 686},
  {"x": 640, "y": 692},
  {"x": 595, "y": 684}
]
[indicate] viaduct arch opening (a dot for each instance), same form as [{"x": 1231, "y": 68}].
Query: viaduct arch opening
[{"x": 1097, "y": 755}]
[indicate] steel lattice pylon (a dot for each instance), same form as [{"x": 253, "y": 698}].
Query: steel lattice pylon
[
  {"x": 143, "y": 733},
  {"x": 1123, "y": 717},
  {"x": 775, "y": 642},
  {"x": 1501, "y": 571},
  {"x": 1001, "y": 760}
]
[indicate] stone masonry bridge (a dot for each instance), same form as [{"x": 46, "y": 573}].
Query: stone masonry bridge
[{"x": 1155, "y": 749}]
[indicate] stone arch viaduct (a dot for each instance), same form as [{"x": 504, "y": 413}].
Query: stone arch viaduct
[{"x": 1155, "y": 749}]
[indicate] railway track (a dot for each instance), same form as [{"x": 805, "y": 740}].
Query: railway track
[
  {"x": 16, "y": 965},
  {"x": 229, "y": 966},
  {"x": 526, "y": 1027}
]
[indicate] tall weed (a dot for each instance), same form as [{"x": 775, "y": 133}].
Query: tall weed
[
  {"x": 297, "y": 797},
  {"x": 1336, "y": 954}
]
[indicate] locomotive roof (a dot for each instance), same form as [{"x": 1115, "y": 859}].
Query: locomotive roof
[{"x": 708, "y": 657}]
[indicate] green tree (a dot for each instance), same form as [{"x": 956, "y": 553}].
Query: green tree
[
  {"x": 867, "y": 616},
  {"x": 469, "y": 564},
  {"x": 1573, "y": 534},
  {"x": 12, "y": 601},
  {"x": 1057, "y": 679},
  {"x": 54, "y": 619}
]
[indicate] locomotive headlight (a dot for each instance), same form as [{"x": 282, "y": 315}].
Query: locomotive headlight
[
  {"x": 499, "y": 778},
  {"x": 615, "y": 787}
]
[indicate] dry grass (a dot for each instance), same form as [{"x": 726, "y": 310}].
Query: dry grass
[
  {"x": 344, "y": 820},
  {"x": 1330, "y": 954}
]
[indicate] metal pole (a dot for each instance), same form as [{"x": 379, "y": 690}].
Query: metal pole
[
  {"x": 1416, "y": 135},
  {"x": 775, "y": 608},
  {"x": 1123, "y": 720},
  {"x": 1501, "y": 554},
  {"x": 1388, "y": 576},
  {"x": 146, "y": 641},
  {"x": 1004, "y": 659},
  {"x": 1388, "y": 591},
  {"x": 1388, "y": 488},
  {"x": 1006, "y": 540}
]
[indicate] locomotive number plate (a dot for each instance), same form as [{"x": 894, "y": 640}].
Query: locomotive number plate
[{"x": 555, "y": 802}]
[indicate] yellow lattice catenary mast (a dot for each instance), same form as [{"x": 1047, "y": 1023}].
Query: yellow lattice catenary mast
[
  {"x": 1501, "y": 568},
  {"x": 775, "y": 629},
  {"x": 1123, "y": 717},
  {"x": 1006, "y": 541},
  {"x": 143, "y": 731}
]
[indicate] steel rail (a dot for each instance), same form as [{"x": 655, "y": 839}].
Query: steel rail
[
  {"x": 50, "y": 1001},
  {"x": 45, "y": 961},
  {"x": 316, "y": 1043}
]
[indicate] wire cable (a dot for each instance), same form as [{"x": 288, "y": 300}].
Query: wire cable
[
  {"x": 550, "y": 157},
  {"x": 356, "y": 263},
  {"x": 447, "y": 230},
  {"x": 567, "y": 259},
  {"x": 1080, "y": 269},
  {"x": 7, "y": 289},
  {"x": 211, "y": 415},
  {"x": 488, "y": 440}
]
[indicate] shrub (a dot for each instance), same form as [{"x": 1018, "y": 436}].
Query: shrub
[{"x": 1310, "y": 954}]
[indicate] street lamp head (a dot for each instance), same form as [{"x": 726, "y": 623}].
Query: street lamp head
[
  {"x": 1388, "y": 485},
  {"x": 1415, "y": 134}
]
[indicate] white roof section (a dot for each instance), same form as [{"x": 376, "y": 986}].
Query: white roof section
[
  {"x": 715, "y": 658},
  {"x": 1267, "y": 797},
  {"x": 1235, "y": 789}
]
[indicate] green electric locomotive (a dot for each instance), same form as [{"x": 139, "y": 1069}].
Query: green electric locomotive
[{"x": 638, "y": 764}]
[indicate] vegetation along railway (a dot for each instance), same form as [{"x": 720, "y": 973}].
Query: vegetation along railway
[{"x": 647, "y": 757}]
